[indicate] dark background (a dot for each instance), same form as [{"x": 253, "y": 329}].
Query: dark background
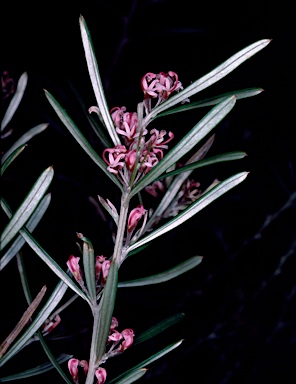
[{"x": 239, "y": 304}]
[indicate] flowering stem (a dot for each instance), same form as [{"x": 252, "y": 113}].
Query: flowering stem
[
  {"x": 125, "y": 199},
  {"x": 104, "y": 310}
]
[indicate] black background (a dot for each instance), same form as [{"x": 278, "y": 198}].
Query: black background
[{"x": 239, "y": 304}]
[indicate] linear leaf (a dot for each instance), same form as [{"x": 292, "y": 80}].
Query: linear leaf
[
  {"x": 89, "y": 267},
  {"x": 45, "y": 256},
  {"x": 163, "y": 276},
  {"x": 133, "y": 376},
  {"x": 75, "y": 132},
  {"x": 230, "y": 156},
  {"x": 210, "y": 78},
  {"x": 96, "y": 80},
  {"x": 241, "y": 94},
  {"x": 30, "y": 226},
  {"x": 24, "y": 139},
  {"x": 197, "y": 206},
  {"x": 36, "y": 370},
  {"x": 176, "y": 184},
  {"x": 10, "y": 158},
  {"x": 197, "y": 133},
  {"x": 106, "y": 309},
  {"x": 158, "y": 328},
  {"x": 15, "y": 101},
  {"x": 148, "y": 361},
  {"x": 28, "y": 206},
  {"x": 52, "y": 359},
  {"x": 50, "y": 305}
]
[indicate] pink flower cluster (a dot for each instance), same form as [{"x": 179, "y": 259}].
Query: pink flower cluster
[
  {"x": 101, "y": 270},
  {"x": 73, "y": 364},
  {"x": 160, "y": 85},
  {"x": 144, "y": 154},
  {"x": 120, "y": 340}
]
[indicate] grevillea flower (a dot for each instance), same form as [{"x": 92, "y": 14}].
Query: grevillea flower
[
  {"x": 160, "y": 85},
  {"x": 155, "y": 187},
  {"x": 105, "y": 269},
  {"x": 73, "y": 265},
  {"x": 115, "y": 336},
  {"x": 135, "y": 216},
  {"x": 73, "y": 369},
  {"x": 101, "y": 375},
  {"x": 114, "y": 323},
  {"x": 84, "y": 365},
  {"x": 128, "y": 335},
  {"x": 49, "y": 325},
  {"x": 116, "y": 158}
]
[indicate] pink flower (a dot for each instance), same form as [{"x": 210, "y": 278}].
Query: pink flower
[
  {"x": 101, "y": 375},
  {"x": 116, "y": 158},
  {"x": 114, "y": 323},
  {"x": 50, "y": 325},
  {"x": 128, "y": 335},
  {"x": 149, "y": 84},
  {"x": 84, "y": 365},
  {"x": 73, "y": 369},
  {"x": 135, "y": 216},
  {"x": 73, "y": 265},
  {"x": 105, "y": 269},
  {"x": 117, "y": 114},
  {"x": 156, "y": 185},
  {"x": 98, "y": 266},
  {"x": 115, "y": 336}
]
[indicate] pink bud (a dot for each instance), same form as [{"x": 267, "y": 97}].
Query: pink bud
[
  {"x": 101, "y": 375},
  {"x": 73, "y": 369},
  {"x": 114, "y": 323},
  {"x": 84, "y": 365},
  {"x": 73, "y": 265},
  {"x": 50, "y": 325},
  {"x": 105, "y": 269},
  {"x": 135, "y": 216}
]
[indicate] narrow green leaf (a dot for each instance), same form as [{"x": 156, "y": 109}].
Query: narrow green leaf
[
  {"x": 89, "y": 268},
  {"x": 52, "y": 359},
  {"x": 45, "y": 256},
  {"x": 36, "y": 370},
  {"x": 137, "y": 250},
  {"x": 24, "y": 139},
  {"x": 210, "y": 78},
  {"x": 230, "y": 156},
  {"x": 197, "y": 133},
  {"x": 28, "y": 206},
  {"x": 75, "y": 132},
  {"x": 197, "y": 206},
  {"x": 133, "y": 376},
  {"x": 96, "y": 81},
  {"x": 10, "y": 158},
  {"x": 158, "y": 328},
  {"x": 106, "y": 309},
  {"x": 176, "y": 183},
  {"x": 148, "y": 361},
  {"x": 15, "y": 101},
  {"x": 52, "y": 302},
  {"x": 30, "y": 226},
  {"x": 163, "y": 276},
  {"x": 241, "y": 94}
]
